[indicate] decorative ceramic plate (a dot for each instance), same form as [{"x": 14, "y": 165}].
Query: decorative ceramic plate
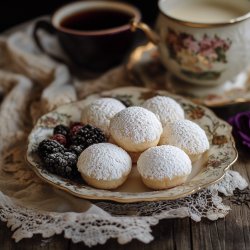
[
  {"x": 145, "y": 67},
  {"x": 208, "y": 170}
]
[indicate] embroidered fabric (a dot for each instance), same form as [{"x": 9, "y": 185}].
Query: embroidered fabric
[{"x": 28, "y": 83}]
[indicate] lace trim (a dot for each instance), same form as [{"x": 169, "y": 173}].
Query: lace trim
[
  {"x": 124, "y": 221},
  {"x": 92, "y": 229},
  {"x": 206, "y": 203},
  {"x": 230, "y": 182}
]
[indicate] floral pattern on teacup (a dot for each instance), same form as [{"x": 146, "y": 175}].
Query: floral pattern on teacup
[{"x": 197, "y": 57}]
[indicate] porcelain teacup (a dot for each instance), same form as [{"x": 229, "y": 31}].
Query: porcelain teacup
[
  {"x": 95, "y": 35},
  {"x": 205, "y": 42}
]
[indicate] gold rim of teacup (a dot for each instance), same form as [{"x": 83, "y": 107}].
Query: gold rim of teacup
[
  {"x": 205, "y": 25},
  {"x": 125, "y": 7}
]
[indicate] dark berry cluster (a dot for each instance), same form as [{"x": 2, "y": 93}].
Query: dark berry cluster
[
  {"x": 57, "y": 159},
  {"x": 87, "y": 136},
  {"x": 63, "y": 164},
  {"x": 61, "y": 130},
  {"x": 47, "y": 147},
  {"x": 59, "y": 154}
]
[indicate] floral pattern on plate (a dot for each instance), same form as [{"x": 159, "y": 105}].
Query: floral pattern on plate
[{"x": 210, "y": 169}]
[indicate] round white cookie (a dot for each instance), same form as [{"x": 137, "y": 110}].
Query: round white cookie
[
  {"x": 164, "y": 167},
  {"x": 99, "y": 112},
  {"x": 104, "y": 165},
  {"x": 188, "y": 136},
  {"x": 135, "y": 129},
  {"x": 166, "y": 108}
]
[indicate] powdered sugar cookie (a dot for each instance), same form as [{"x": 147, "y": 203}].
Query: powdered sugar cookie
[
  {"x": 135, "y": 129},
  {"x": 104, "y": 165},
  {"x": 164, "y": 167},
  {"x": 166, "y": 108},
  {"x": 186, "y": 135},
  {"x": 99, "y": 112}
]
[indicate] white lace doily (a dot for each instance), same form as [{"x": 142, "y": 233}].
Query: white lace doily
[{"x": 32, "y": 84}]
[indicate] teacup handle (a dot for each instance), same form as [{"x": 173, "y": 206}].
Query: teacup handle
[
  {"x": 151, "y": 35},
  {"x": 44, "y": 25}
]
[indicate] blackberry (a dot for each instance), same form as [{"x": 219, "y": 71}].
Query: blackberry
[
  {"x": 47, "y": 147},
  {"x": 63, "y": 164},
  {"x": 73, "y": 124},
  {"x": 61, "y": 129},
  {"x": 76, "y": 149},
  {"x": 87, "y": 136},
  {"x": 75, "y": 127},
  {"x": 60, "y": 138}
]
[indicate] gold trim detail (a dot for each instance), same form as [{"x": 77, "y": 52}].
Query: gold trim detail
[{"x": 206, "y": 25}]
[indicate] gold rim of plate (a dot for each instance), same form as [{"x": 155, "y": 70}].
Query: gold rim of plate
[
  {"x": 224, "y": 147},
  {"x": 132, "y": 200}
]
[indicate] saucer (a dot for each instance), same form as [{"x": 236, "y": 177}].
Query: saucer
[
  {"x": 144, "y": 66},
  {"x": 210, "y": 168}
]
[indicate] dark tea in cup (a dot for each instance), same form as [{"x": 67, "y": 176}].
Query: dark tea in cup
[
  {"x": 94, "y": 20},
  {"x": 95, "y": 34}
]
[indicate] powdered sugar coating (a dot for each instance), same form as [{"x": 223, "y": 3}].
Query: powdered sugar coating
[
  {"x": 104, "y": 161},
  {"x": 164, "y": 162},
  {"x": 99, "y": 112},
  {"x": 166, "y": 108},
  {"x": 134, "y": 126},
  {"x": 186, "y": 135}
]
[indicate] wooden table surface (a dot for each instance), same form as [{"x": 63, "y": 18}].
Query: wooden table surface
[{"x": 230, "y": 233}]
